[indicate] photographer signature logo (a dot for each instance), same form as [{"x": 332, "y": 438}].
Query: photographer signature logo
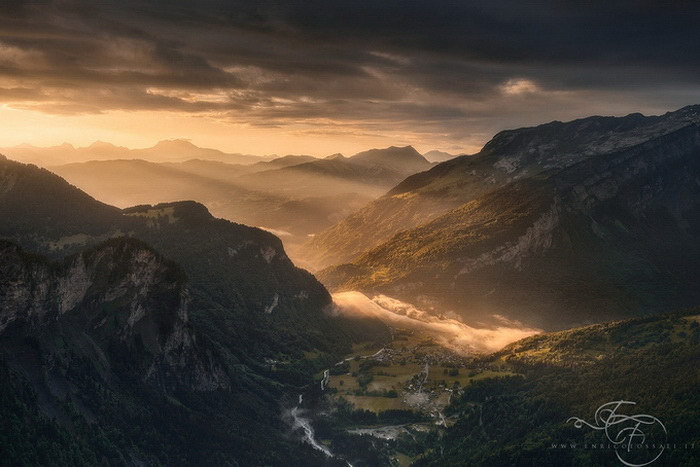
[{"x": 638, "y": 439}]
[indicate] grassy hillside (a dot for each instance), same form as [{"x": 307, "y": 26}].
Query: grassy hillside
[{"x": 522, "y": 420}]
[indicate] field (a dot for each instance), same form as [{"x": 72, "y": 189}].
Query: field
[{"x": 410, "y": 373}]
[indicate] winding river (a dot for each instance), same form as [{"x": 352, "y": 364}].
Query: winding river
[{"x": 299, "y": 421}]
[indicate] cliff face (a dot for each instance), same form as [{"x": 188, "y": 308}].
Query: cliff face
[
  {"x": 597, "y": 237},
  {"x": 101, "y": 362},
  {"x": 245, "y": 291},
  {"x": 122, "y": 300},
  {"x": 158, "y": 369}
]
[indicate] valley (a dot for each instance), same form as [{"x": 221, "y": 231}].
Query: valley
[
  {"x": 409, "y": 400},
  {"x": 392, "y": 390},
  {"x": 341, "y": 233},
  {"x": 431, "y": 343}
]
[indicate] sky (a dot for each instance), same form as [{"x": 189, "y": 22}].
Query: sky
[{"x": 320, "y": 77}]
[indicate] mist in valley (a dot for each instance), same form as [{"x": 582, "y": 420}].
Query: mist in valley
[{"x": 447, "y": 332}]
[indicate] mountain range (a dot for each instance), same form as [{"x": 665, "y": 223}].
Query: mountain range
[
  {"x": 118, "y": 323},
  {"x": 154, "y": 332},
  {"x": 557, "y": 225},
  {"x": 370, "y": 172},
  {"x": 295, "y": 196},
  {"x": 173, "y": 150}
]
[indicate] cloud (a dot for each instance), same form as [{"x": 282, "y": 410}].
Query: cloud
[
  {"x": 439, "y": 70},
  {"x": 450, "y": 333}
]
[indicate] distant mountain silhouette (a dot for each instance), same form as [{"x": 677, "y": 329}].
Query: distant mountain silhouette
[
  {"x": 163, "y": 151},
  {"x": 438, "y": 156},
  {"x": 371, "y": 172}
]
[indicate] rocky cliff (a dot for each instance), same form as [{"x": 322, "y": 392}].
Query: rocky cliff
[{"x": 119, "y": 304}]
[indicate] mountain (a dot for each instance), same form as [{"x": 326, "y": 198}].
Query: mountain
[
  {"x": 182, "y": 149},
  {"x": 125, "y": 183},
  {"x": 401, "y": 159},
  {"x": 284, "y": 161},
  {"x": 34, "y": 205},
  {"x": 212, "y": 251},
  {"x": 296, "y": 196},
  {"x": 223, "y": 171},
  {"x": 222, "y": 188},
  {"x": 528, "y": 418},
  {"x": 180, "y": 363},
  {"x": 438, "y": 156},
  {"x": 369, "y": 173},
  {"x": 101, "y": 364},
  {"x": 557, "y": 225},
  {"x": 509, "y": 156},
  {"x": 167, "y": 150}
]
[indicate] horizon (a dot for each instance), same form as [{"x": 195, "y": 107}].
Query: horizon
[
  {"x": 320, "y": 78},
  {"x": 263, "y": 157},
  {"x": 231, "y": 150},
  {"x": 335, "y": 232}
]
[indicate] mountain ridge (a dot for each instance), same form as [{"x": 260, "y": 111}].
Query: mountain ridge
[
  {"x": 586, "y": 238},
  {"x": 510, "y": 155}
]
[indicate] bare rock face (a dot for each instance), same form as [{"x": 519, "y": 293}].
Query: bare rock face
[
  {"x": 167, "y": 359},
  {"x": 121, "y": 297}
]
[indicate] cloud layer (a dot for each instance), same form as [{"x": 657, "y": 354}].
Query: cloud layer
[
  {"x": 447, "y": 332},
  {"x": 437, "y": 70}
]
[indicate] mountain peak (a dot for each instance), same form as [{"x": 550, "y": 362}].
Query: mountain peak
[
  {"x": 401, "y": 159},
  {"x": 337, "y": 155},
  {"x": 178, "y": 143},
  {"x": 102, "y": 145}
]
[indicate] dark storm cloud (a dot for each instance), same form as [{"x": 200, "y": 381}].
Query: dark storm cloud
[{"x": 446, "y": 65}]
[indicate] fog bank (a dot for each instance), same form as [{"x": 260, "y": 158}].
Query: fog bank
[{"x": 448, "y": 332}]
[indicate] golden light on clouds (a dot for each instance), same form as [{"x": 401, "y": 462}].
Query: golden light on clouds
[
  {"x": 137, "y": 129},
  {"x": 264, "y": 78}
]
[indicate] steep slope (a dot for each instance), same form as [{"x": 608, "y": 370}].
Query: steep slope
[
  {"x": 98, "y": 350},
  {"x": 122, "y": 297},
  {"x": 249, "y": 293},
  {"x": 239, "y": 269},
  {"x": 610, "y": 236},
  {"x": 35, "y": 205},
  {"x": 526, "y": 419},
  {"x": 511, "y": 155}
]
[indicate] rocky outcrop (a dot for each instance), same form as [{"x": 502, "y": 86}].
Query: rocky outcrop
[{"x": 122, "y": 297}]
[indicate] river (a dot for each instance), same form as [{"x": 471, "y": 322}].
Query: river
[{"x": 299, "y": 421}]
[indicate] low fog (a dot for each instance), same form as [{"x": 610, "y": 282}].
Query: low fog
[{"x": 450, "y": 333}]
